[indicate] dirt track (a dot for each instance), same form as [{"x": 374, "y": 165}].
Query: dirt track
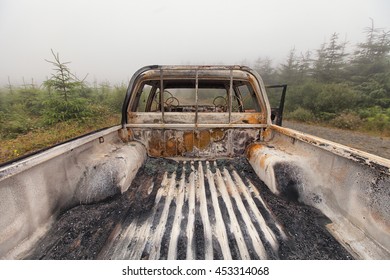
[{"x": 376, "y": 145}]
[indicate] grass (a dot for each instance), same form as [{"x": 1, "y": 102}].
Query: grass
[{"x": 46, "y": 137}]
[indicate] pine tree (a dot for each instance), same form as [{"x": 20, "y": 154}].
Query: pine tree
[
  {"x": 305, "y": 66},
  {"x": 289, "y": 72},
  {"x": 370, "y": 67},
  {"x": 264, "y": 67},
  {"x": 330, "y": 62},
  {"x": 63, "y": 80},
  {"x": 65, "y": 100}
]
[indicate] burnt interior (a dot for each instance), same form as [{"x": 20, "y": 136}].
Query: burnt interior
[
  {"x": 164, "y": 95},
  {"x": 90, "y": 231}
]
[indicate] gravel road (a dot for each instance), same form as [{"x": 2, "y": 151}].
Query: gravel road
[{"x": 375, "y": 145}]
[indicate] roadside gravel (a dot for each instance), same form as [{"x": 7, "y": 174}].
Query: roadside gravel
[{"x": 375, "y": 145}]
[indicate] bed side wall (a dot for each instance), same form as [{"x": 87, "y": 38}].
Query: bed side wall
[
  {"x": 351, "y": 187},
  {"x": 34, "y": 191}
]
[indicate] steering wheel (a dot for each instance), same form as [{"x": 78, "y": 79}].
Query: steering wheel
[
  {"x": 171, "y": 101},
  {"x": 220, "y": 101},
  {"x": 168, "y": 101}
]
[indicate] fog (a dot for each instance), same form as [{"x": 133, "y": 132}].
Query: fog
[{"x": 110, "y": 39}]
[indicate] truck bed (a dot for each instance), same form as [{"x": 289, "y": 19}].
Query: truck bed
[
  {"x": 198, "y": 169},
  {"x": 195, "y": 209}
]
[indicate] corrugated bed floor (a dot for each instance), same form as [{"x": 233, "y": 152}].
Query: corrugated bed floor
[
  {"x": 192, "y": 210},
  {"x": 200, "y": 212}
]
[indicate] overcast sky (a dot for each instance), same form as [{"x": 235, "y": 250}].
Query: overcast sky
[{"x": 110, "y": 39}]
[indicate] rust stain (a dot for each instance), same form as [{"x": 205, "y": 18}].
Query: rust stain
[
  {"x": 170, "y": 147},
  {"x": 217, "y": 134},
  {"x": 125, "y": 135},
  {"x": 252, "y": 150},
  {"x": 251, "y": 119},
  {"x": 202, "y": 139},
  {"x": 155, "y": 145},
  {"x": 131, "y": 115},
  {"x": 188, "y": 138},
  {"x": 267, "y": 134},
  {"x": 171, "y": 143},
  {"x": 155, "y": 152},
  {"x": 263, "y": 118},
  {"x": 180, "y": 147},
  {"x": 263, "y": 159}
]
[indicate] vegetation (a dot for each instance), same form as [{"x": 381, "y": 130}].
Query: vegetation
[
  {"x": 34, "y": 117},
  {"x": 349, "y": 90},
  {"x": 333, "y": 87}
]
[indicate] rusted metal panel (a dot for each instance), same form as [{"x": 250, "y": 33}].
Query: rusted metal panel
[
  {"x": 171, "y": 118},
  {"x": 217, "y": 142},
  {"x": 194, "y": 132},
  {"x": 228, "y": 73}
]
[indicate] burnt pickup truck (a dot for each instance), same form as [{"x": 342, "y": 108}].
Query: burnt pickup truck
[{"x": 196, "y": 170}]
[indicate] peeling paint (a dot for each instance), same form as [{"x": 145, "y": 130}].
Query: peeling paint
[{"x": 196, "y": 143}]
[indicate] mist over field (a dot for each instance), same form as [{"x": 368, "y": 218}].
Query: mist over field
[
  {"x": 334, "y": 56},
  {"x": 110, "y": 40}
]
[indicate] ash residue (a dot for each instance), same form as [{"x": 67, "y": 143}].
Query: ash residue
[
  {"x": 154, "y": 166},
  {"x": 83, "y": 231},
  {"x": 305, "y": 225}
]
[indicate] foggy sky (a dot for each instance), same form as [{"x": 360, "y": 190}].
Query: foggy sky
[{"x": 110, "y": 39}]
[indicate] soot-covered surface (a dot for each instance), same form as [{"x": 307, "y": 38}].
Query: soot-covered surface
[{"x": 192, "y": 210}]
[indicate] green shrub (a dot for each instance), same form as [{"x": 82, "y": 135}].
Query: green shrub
[
  {"x": 114, "y": 98},
  {"x": 376, "y": 119},
  {"x": 380, "y": 122},
  {"x": 325, "y": 116},
  {"x": 58, "y": 110},
  {"x": 347, "y": 120},
  {"x": 302, "y": 115}
]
